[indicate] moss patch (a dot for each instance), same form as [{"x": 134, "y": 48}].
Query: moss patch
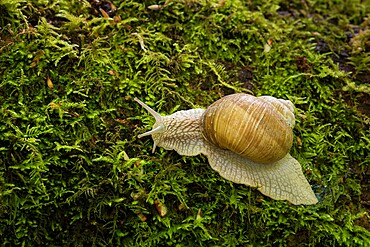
[{"x": 72, "y": 171}]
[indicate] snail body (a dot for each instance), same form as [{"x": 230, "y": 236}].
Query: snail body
[{"x": 245, "y": 138}]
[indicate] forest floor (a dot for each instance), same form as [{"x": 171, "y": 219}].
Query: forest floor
[{"x": 74, "y": 173}]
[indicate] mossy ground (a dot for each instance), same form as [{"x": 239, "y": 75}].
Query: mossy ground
[{"x": 73, "y": 173}]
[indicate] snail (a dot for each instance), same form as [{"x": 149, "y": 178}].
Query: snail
[{"x": 246, "y": 140}]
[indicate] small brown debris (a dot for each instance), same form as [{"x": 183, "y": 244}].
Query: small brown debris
[
  {"x": 50, "y": 83},
  {"x": 111, "y": 72},
  {"x": 303, "y": 64},
  {"x": 155, "y": 7},
  {"x": 142, "y": 216},
  {"x": 161, "y": 208}
]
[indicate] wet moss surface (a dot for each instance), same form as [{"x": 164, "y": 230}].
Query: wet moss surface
[{"x": 73, "y": 172}]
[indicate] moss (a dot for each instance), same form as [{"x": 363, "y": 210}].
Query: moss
[{"x": 72, "y": 171}]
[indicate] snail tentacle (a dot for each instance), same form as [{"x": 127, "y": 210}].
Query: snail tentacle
[
  {"x": 155, "y": 114},
  {"x": 156, "y": 130},
  {"x": 158, "y": 127}
]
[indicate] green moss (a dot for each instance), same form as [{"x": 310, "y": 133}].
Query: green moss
[{"x": 72, "y": 171}]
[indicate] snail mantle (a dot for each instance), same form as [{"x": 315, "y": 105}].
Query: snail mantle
[{"x": 246, "y": 140}]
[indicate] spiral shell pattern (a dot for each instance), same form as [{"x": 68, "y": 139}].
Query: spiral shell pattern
[{"x": 257, "y": 128}]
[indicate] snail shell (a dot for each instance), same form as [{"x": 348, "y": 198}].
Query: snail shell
[{"x": 257, "y": 128}]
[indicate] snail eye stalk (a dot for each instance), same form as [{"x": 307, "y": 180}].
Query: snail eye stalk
[
  {"x": 156, "y": 115},
  {"x": 160, "y": 128}
]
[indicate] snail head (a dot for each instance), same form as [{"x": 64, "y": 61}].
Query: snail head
[{"x": 158, "y": 127}]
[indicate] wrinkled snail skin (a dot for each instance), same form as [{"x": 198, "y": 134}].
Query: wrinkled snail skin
[{"x": 282, "y": 179}]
